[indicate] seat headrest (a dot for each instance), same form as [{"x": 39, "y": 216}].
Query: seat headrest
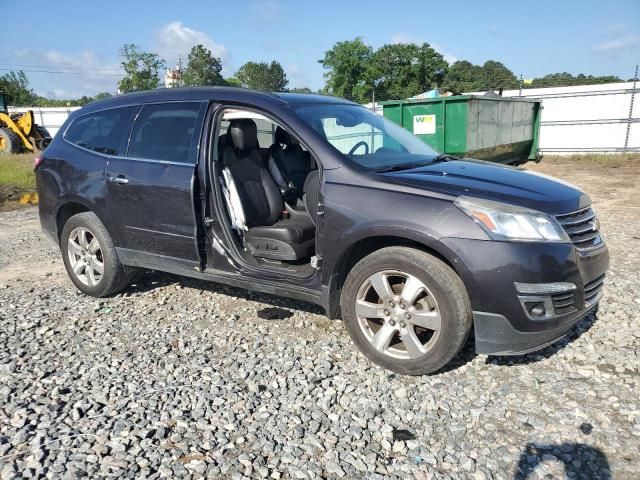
[
  {"x": 244, "y": 133},
  {"x": 282, "y": 136}
]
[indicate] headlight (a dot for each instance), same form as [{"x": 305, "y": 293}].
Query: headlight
[{"x": 509, "y": 222}]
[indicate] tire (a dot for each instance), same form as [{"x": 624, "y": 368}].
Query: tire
[
  {"x": 9, "y": 142},
  {"x": 44, "y": 137},
  {"x": 410, "y": 337},
  {"x": 114, "y": 276}
]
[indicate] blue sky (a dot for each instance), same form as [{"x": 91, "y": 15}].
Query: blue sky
[{"x": 82, "y": 38}]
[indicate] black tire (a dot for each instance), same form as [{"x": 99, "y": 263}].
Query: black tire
[
  {"x": 44, "y": 137},
  {"x": 11, "y": 143},
  {"x": 115, "y": 277},
  {"x": 442, "y": 282}
]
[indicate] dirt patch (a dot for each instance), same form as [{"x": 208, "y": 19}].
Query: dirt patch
[{"x": 13, "y": 197}]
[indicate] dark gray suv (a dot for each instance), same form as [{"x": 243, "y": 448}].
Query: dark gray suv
[{"x": 319, "y": 199}]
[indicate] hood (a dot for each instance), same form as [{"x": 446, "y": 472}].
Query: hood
[{"x": 477, "y": 178}]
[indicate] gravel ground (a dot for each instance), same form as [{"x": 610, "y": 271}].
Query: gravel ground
[{"x": 178, "y": 378}]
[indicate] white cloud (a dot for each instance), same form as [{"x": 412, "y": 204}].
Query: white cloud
[
  {"x": 69, "y": 75},
  {"x": 449, "y": 58},
  {"x": 176, "y": 39},
  {"x": 616, "y": 45},
  {"x": 405, "y": 38}
]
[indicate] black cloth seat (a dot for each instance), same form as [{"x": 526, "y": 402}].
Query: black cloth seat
[
  {"x": 268, "y": 235},
  {"x": 292, "y": 163}
]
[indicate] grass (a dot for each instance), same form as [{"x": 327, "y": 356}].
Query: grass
[
  {"x": 601, "y": 159},
  {"x": 17, "y": 171}
]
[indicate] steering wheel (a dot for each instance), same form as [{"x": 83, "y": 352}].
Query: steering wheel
[{"x": 358, "y": 145}]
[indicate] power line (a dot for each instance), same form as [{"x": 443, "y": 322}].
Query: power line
[
  {"x": 59, "y": 67},
  {"x": 80, "y": 73}
]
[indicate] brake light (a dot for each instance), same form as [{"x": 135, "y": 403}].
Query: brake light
[{"x": 37, "y": 161}]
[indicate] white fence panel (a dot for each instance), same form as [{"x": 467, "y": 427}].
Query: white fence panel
[
  {"x": 50, "y": 118},
  {"x": 587, "y": 118}
]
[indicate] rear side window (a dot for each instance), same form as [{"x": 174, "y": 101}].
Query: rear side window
[
  {"x": 99, "y": 131},
  {"x": 164, "y": 132}
]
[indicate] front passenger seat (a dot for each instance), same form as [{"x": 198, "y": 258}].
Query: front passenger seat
[
  {"x": 267, "y": 235},
  {"x": 289, "y": 165}
]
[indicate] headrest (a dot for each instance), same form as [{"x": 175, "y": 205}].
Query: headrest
[
  {"x": 244, "y": 133},
  {"x": 282, "y": 136}
]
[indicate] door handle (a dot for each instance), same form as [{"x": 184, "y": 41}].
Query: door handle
[{"x": 119, "y": 179}]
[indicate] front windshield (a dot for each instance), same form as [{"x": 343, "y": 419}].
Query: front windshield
[{"x": 370, "y": 140}]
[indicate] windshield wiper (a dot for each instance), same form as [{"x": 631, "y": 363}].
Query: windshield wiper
[
  {"x": 400, "y": 166},
  {"x": 443, "y": 157}
]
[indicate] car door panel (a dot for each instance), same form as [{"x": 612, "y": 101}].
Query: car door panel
[{"x": 151, "y": 199}]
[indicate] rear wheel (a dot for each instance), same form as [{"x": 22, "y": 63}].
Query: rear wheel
[
  {"x": 406, "y": 310},
  {"x": 9, "y": 142},
  {"x": 90, "y": 257}
]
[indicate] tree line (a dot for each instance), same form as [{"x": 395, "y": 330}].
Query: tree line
[
  {"x": 352, "y": 69},
  {"x": 355, "y": 70}
]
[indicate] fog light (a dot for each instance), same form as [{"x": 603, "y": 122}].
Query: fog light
[{"x": 536, "y": 309}]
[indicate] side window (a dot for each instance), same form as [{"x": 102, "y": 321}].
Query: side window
[
  {"x": 99, "y": 131},
  {"x": 164, "y": 132}
]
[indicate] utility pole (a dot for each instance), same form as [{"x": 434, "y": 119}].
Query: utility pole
[{"x": 179, "y": 70}]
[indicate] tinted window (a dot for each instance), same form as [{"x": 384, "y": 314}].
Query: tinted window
[
  {"x": 164, "y": 132},
  {"x": 99, "y": 131}
]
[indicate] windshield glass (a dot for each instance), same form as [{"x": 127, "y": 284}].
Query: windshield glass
[{"x": 368, "y": 139}]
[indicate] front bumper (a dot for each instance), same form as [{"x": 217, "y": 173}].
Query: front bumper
[
  {"x": 494, "y": 334},
  {"x": 492, "y": 271}
]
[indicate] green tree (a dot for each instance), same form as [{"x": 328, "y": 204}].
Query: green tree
[
  {"x": 142, "y": 69},
  {"x": 463, "y": 76},
  {"x": 403, "y": 70},
  {"x": 263, "y": 76},
  {"x": 16, "y": 86},
  {"x": 232, "y": 82},
  {"x": 202, "y": 68},
  {"x": 102, "y": 96},
  {"x": 496, "y": 75},
  {"x": 348, "y": 66},
  {"x": 565, "y": 79}
]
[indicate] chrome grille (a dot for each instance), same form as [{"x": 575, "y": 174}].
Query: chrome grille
[
  {"x": 593, "y": 291},
  {"x": 582, "y": 227}
]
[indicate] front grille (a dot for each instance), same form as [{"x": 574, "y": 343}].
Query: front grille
[
  {"x": 563, "y": 302},
  {"x": 582, "y": 227},
  {"x": 593, "y": 291}
]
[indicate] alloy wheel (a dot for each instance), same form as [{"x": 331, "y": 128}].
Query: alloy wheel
[
  {"x": 398, "y": 314},
  {"x": 85, "y": 256}
]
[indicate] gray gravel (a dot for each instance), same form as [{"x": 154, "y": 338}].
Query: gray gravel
[{"x": 178, "y": 378}]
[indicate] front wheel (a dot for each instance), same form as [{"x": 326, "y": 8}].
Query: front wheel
[
  {"x": 90, "y": 257},
  {"x": 406, "y": 310}
]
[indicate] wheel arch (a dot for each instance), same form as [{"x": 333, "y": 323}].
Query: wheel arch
[
  {"x": 68, "y": 209},
  {"x": 361, "y": 247}
]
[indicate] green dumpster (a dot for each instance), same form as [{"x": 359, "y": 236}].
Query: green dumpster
[{"x": 498, "y": 129}]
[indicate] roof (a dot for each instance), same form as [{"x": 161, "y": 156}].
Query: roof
[{"x": 222, "y": 94}]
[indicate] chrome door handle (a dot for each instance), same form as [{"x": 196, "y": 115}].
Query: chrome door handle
[{"x": 121, "y": 180}]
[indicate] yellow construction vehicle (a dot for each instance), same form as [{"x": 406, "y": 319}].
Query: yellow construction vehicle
[{"x": 18, "y": 131}]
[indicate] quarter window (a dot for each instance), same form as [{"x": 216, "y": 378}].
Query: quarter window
[
  {"x": 164, "y": 132},
  {"x": 99, "y": 131}
]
